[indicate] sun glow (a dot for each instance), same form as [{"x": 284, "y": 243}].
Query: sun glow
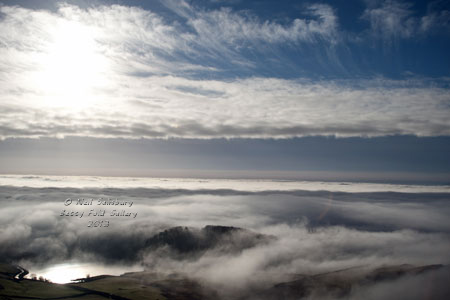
[
  {"x": 73, "y": 68},
  {"x": 66, "y": 272}
]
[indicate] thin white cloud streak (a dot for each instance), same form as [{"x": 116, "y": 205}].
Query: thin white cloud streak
[
  {"x": 192, "y": 184},
  {"x": 114, "y": 71}
]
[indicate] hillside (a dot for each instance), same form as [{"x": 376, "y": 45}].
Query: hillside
[{"x": 152, "y": 286}]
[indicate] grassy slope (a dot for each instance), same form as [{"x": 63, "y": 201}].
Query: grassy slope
[
  {"x": 126, "y": 287},
  {"x": 30, "y": 288}
]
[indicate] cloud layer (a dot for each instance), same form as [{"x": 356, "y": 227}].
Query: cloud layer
[
  {"x": 116, "y": 71},
  {"x": 308, "y": 232},
  {"x": 32, "y": 228}
]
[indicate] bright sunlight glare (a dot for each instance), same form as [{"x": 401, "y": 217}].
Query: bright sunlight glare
[
  {"x": 72, "y": 67},
  {"x": 66, "y": 272}
]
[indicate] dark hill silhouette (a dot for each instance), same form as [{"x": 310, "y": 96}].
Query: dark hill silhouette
[{"x": 187, "y": 240}]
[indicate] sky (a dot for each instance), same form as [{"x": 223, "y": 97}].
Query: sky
[{"x": 358, "y": 89}]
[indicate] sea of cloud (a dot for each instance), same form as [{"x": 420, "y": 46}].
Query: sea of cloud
[{"x": 315, "y": 231}]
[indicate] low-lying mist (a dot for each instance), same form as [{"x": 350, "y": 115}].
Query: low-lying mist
[{"x": 236, "y": 242}]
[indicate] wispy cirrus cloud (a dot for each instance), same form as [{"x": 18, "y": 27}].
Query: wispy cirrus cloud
[
  {"x": 392, "y": 19},
  {"x": 135, "y": 41},
  {"x": 235, "y": 27}
]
